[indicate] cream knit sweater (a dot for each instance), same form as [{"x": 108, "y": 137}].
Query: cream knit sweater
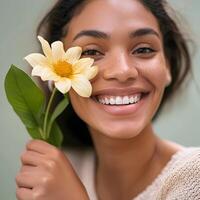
[{"x": 179, "y": 179}]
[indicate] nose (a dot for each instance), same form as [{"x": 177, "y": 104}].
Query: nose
[{"x": 119, "y": 66}]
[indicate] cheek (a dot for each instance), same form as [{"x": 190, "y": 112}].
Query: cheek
[
  {"x": 80, "y": 105},
  {"x": 75, "y": 101},
  {"x": 156, "y": 73}
]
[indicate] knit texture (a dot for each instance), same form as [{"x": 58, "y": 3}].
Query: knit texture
[{"x": 179, "y": 179}]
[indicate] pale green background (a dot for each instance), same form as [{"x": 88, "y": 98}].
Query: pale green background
[{"x": 18, "y": 20}]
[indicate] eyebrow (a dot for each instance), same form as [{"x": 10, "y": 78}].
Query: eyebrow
[
  {"x": 142, "y": 32},
  {"x": 92, "y": 33},
  {"x": 102, "y": 35}
]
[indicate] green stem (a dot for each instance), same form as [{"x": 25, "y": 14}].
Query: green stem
[
  {"x": 41, "y": 132},
  {"x": 47, "y": 114}
]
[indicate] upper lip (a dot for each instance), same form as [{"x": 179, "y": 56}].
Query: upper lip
[{"x": 120, "y": 91}]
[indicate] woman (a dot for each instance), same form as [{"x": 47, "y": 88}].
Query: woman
[{"x": 142, "y": 59}]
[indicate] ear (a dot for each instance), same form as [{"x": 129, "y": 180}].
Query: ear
[{"x": 168, "y": 74}]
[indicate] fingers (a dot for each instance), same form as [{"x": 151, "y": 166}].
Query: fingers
[
  {"x": 32, "y": 161},
  {"x": 45, "y": 151},
  {"x": 46, "y": 174},
  {"x": 28, "y": 177},
  {"x": 25, "y": 180},
  {"x": 40, "y": 146},
  {"x": 32, "y": 178},
  {"x": 31, "y": 158},
  {"x": 24, "y": 194},
  {"x": 27, "y": 168}
]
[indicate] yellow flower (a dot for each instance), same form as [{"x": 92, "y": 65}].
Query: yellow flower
[{"x": 65, "y": 69}]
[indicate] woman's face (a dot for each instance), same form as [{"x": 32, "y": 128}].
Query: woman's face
[{"x": 125, "y": 41}]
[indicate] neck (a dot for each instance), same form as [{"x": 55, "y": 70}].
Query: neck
[{"x": 122, "y": 162}]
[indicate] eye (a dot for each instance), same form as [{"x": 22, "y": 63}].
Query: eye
[
  {"x": 144, "y": 50},
  {"x": 91, "y": 53}
]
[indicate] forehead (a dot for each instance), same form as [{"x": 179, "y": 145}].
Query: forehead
[{"x": 112, "y": 16}]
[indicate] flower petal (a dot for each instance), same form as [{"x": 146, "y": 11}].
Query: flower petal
[
  {"x": 57, "y": 50},
  {"x": 73, "y": 54},
  {"x": 91, "y": 73},
  {"x": 45, "y": 47},
  {"x": 45, "y": 73},
  {"x": 81, "y": 85},
  {"x": 63, "y": 85},
  {"x": 35, "y": 59},
  {"x": 82, "y": 65}
]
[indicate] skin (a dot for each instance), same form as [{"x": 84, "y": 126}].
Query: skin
[
  {"x": 45, "y": 175},
  {"x": 129, "y": 154}
]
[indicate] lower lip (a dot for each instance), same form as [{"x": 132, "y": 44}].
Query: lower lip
[{"x": 123, "y": 109}]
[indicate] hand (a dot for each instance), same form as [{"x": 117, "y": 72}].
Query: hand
[{"x": 46, "y": 174}]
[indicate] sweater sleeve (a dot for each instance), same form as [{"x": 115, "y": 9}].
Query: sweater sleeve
[{"x": 184, "y": 181}]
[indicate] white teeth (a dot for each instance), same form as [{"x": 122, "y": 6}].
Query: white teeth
[
  {"x": 112, "y": 101},
  {"x": 125, "y": 100},
  {"x": 119, "y": 100},
  {"x": 107, "y": 100},
  {"x": 132, "y": 100}
]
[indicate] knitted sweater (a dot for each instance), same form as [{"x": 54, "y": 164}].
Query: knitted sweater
[{"x": 178, "y": 180}]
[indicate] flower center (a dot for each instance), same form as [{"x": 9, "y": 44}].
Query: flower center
[{"x": 63, "y": 68}]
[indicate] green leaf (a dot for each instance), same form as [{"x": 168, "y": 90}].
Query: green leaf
[
  {"x": 26, "y": 98},
  {"x": 56, "y": 136},
  {"x": 35, "y": 133},
  {"x": 58, "y": 110}
]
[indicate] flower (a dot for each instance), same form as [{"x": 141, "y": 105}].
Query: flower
[{"x": 65, "y": 69}]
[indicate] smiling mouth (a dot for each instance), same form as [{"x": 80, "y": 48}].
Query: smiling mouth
[{"x": 112, "y": 100}]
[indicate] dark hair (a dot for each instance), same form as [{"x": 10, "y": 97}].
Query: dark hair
[{"x": 53, "y": 28}]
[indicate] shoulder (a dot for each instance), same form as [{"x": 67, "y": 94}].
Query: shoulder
[
  {"x": 183, "y": 178},
  {"x": 188, "y": 160},
  {"x": 83, "y": 162},
  {"x": 81, "y": 159}
]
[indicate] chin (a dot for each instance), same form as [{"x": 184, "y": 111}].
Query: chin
[{"x": 119, "y": 130}]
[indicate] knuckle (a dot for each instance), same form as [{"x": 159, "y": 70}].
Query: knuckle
[
  {"x": 23, "y": 156},
  {"x": 56, "y": 154},
  {"x": 20, "y": 178},
  {"x": 29, "y": 144},
  {"x": 18, "y": 193},
  {"x": 46, "y": 180},
  {"x": 17, "y": 178},
  {"x": 32, "y": 143},
  {"x": 50, "y": 164},
  {"x": 39, "y": 194}
]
